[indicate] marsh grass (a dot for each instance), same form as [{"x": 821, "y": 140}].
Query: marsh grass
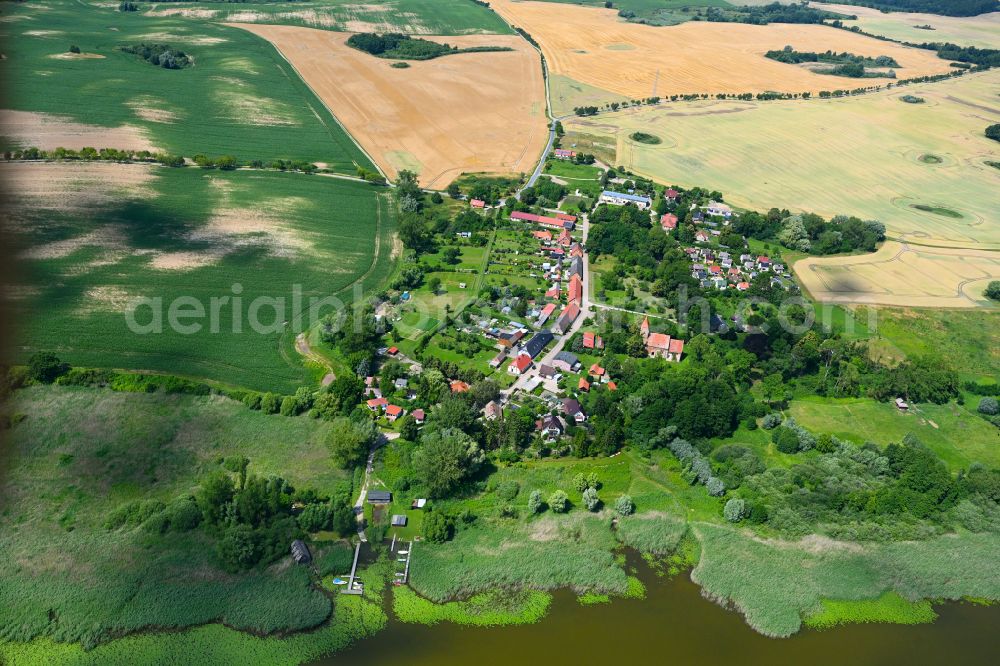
[
  {"x": 775, "y": 584},
  {"x": 889, "y": 608},
  {"x": 492, "y": 608}
]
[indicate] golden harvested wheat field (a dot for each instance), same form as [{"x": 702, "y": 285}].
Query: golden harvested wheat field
[
  {"x": 982, "y": 31},
  {"x": 469, "y": 112},
  {"x": 594, "y": 47},
  {"x": 873, "y": 156},
  {"x": 903, "y": 275}
]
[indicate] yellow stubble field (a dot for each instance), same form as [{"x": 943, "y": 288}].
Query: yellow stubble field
[
  {"x": 593, "y": 47},
  {"x": 982, "y": 31},
  {"x": 921, "y": 169},
  {"x": 468, "y": 112}
]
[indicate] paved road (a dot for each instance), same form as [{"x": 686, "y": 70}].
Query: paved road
[
  {"x": 541, "y": 163},
  {"x": 585, "y": 313}
]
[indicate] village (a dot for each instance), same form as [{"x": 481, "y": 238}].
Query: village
[{"x": 531, "y": 323}]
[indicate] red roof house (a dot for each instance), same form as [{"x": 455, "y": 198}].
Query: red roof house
[
  {"x": 668, "y": 221},
  {"x": 592, "y": 340},
  {"x": 393, "y": 412},
  {"x": 477, "y": 203},
  {"x": 377, "y": 403},
  {"x": 392, "y": 351},
  {"x": 584, "y": 385},
  {"x": 671, "y": 194},
  {"x": 566, "y": 217},
  {"x": 574, "y": 292},
  {"x": 459, "y": 386},
  {"x": 596, "y": 370},
  {"x": 418, "y": 416},
  {"x": 542, "y": 235},
  {"x": 519, "y": 365}
]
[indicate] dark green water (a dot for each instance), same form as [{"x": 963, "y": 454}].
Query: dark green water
[{"x": 675, "y": 625}]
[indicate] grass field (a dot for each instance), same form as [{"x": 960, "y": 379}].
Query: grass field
[
  {"x": 955, "y": 433},
  {"x": 240, "y": 97},
  {"x": 966, "y": 340},
  {"x": 92, "y": 238},
  {"x": 982, "y": 31},
  {"x": 594, "y": 47},
  {"x": 79, "y": 454},
  {"x": 422, "y": 17},
  {"x": 470, "y": 112}
]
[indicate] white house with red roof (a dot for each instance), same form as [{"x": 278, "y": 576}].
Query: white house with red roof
[
  {"x": 477, "y": 203},
  {"x": 668, "y": 221},
  {"x": 519, "y": 365}
]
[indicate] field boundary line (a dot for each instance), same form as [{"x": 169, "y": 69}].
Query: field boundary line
[{"x": 316, "y": 95}]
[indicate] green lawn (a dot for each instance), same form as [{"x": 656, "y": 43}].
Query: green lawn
[
  {"x": 952, "y": 431},
  {"x": 240, "y": 98},
  {"x": 196, "y": 234},
  {"x": 568, "y": 170}
]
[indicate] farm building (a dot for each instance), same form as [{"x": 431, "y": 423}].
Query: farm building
[
  {"x": 536, "y": 344},
  {"x": 592, "y": 341},
  {"x": 300, "y": 552},
  {"x": 564, "y": 153},
  {"x": 545, "y": 221},
  {"x": 621, "y": 199},
  {"x": 379, "y": 497},
  {"x": 567, "y": 317},
  {"x": 546, "y": 312},
  {"x": 574, "y": 292}
]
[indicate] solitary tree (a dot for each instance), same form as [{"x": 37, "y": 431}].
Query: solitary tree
[
  {"x": 591, "y": 500},
  {"x": 559, "y": 502},
  {"x": 535, "y": 501},
  {"x": 624, "y": 506}
]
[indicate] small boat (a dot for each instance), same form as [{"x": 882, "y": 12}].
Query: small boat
[
  {"x": 339, "y": 581},
  {"x": 404, "y": 552},
  {"x": 401, "y": 559}
]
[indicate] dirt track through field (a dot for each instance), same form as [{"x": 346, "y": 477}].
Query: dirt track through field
[
  {"x": 593, "y": 46},
  {"x": 468, "y": 112}
]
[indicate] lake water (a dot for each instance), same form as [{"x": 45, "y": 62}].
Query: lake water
[{"x": 674, "y": 624}]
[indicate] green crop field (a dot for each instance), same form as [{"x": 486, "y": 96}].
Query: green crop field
[
  {"x": 80, "y": 453},
  {"x": 424, "y": 17},
  {"x": 239, "y": 97},
  {"x": 89, "y": 247}
]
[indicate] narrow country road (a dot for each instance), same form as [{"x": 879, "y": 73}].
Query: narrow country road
[{"x": 359, "y": 505}]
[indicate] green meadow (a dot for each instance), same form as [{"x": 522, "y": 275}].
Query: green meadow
[
  {"x": 240, "y": 97},
  {"x": 80, "y": 453},
  {"x": 198, "y": 234},
  {"x": 424, "y": 17}
]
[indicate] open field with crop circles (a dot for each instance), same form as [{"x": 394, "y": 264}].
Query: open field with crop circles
[
  {"x": 92, "y": 238},
  {"x": 469, "y": 112},
  {"x": 413, "y": 17},
  {"x": 982, "y": 31},
  {"x": 919, "y": 168},
  {"x": 239, "y": 98},
  {"x": 594, "y": 47}
]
